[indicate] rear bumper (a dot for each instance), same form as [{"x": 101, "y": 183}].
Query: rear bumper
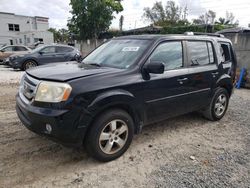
[{"x": 64, "y": 123}]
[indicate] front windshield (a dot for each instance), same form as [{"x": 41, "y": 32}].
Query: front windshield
[{"x": 119, "y": 53}]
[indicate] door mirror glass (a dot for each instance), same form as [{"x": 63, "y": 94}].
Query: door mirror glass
[{"x": 155, "y": 67}]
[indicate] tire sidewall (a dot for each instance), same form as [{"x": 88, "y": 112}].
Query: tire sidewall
[
  {"x": 217, "y": 93},
  {"x": 92, "y": 141},
  {"x": 24, "y": 64}
]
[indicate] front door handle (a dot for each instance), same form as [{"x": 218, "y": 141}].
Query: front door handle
[
  {"x": 181, "y": 80},
  {"x": 215, "y": 74}
]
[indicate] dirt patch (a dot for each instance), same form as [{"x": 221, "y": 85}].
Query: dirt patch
[{"x": 159, "y": 157}]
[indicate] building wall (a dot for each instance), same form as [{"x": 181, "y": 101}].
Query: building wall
[
  {"x": 241, "y": 43},
  {"x": 29, "y": 28}
]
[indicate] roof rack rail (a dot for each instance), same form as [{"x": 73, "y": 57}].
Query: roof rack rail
[{"x": 206, "y": 34}]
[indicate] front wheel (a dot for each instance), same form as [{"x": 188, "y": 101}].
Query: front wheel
[
  {"x": 218, "y": 105},
  {"x": 110, "y": 135},
  {"x": 29, "y": 64}
]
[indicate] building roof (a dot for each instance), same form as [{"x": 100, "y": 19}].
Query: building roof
[
  {"x": 235, "y": 30},
  {"x": 9, "y": 13}
]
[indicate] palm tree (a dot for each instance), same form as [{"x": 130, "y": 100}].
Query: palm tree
[{"x": 222, "y": 21}]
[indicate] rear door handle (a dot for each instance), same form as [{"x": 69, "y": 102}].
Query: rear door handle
[{"x": 181, "y": 80}]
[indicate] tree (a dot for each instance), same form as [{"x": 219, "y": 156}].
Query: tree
[
  {"x": 222, "y": 21},
  {"x": 170, "y": 15},
  {"x": 61, "y": 35},
  {"x": 121, "y": 22},
  {"x": 56, "y": 34},
  {"x": 228, "y": 20},
  {"x": 207, "y": 18},
  {"x": 91, "y": 17}
]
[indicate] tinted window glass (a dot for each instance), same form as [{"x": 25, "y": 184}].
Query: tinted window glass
[
  {"x": 62, "y": 49},
  {"x": 225, "y": 52},
  {"x": 170, "y": 54},
  {"x": 20, "y": 48},
  {"x": 50, "y": 49},
  {"x": 198, "y": 52}
]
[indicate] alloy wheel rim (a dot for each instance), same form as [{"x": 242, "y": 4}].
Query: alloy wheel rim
[
  {"x": 220, "y": 105},
  {"x": 113, "y": 136},
  {"x": 30, "y": 64}
]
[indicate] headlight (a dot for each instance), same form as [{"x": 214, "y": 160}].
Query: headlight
[{"x": 52, "y": 92}]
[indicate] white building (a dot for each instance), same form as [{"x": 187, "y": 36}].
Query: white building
[{"x": 25, "y": 30}]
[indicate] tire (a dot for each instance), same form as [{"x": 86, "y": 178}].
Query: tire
[
  {"x": 105, "y": 143},
  {"x": 217, "y": 108},
  {"x": 29, "y": 64}
]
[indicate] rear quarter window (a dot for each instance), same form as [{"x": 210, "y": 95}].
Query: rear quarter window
[{"x": 225, "y": 52}]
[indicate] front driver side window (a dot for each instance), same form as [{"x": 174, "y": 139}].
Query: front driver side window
[{"x": 170, "y": 54}]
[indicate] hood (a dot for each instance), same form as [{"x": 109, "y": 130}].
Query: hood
[{"x": 68, "y": 71}]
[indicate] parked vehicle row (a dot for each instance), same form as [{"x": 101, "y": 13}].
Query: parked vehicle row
[
  {"x": 46, "y": 54},
  {"x": 7, "y": 51},
  {"x": 123, "y": 85}
]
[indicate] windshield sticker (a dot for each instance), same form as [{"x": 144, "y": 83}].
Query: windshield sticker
[{"x": 130, "y": 49}]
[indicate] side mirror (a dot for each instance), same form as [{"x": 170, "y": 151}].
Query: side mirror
[
  {"x": 41, "y": 52},
  {"x": 155, "y": 67}
]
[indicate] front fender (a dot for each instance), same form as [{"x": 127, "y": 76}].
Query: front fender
[
  {"x": 111, "y": 98},
  {"x": 117, "y": 98}
]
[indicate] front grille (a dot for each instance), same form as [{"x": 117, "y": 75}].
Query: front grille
[{"x": 28, "y": 87}]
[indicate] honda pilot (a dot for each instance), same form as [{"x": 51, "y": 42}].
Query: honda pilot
[{"x": 125, "y": 84}]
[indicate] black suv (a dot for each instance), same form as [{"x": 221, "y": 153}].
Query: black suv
[{"x": 124, "y": 84}]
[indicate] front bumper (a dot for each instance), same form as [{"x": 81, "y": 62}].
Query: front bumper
[
  {"x": 65, "y": 124},
  {"x": 15, "y": 64}
]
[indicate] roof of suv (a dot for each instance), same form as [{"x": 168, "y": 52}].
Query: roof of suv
[
  {"x": 60, "y": 45},
  {"x": 173, "y": 36}
]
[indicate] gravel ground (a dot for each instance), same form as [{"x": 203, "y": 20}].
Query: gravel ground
[
  {"x": 9, "y": 75},
  {"x": 187, "y": 151}
]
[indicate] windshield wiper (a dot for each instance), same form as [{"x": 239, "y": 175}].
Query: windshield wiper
[{"x": 94, "y": 64}]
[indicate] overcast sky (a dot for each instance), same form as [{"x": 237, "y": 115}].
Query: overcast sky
[{"x": 58, "y": 10}]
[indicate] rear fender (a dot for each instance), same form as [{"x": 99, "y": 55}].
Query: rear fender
[{"x": 225, "y": 81}]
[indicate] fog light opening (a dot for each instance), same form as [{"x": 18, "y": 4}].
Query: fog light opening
[{"x": 48, "y": 128}]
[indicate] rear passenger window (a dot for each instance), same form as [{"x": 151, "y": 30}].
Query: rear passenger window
[
  {"x": 201, "y": 53},
  {"x": 61, "y": 49},
  {"x": 170, "y": 54},
  {"x": 225, "y": 52},
  {"x": 20, "y": 48}
]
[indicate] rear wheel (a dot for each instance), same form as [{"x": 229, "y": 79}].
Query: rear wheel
[
  {"x": 218, "y": 105},
  {"x": 110, "y": 135},
  {"x": 29, "y": 64}
]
